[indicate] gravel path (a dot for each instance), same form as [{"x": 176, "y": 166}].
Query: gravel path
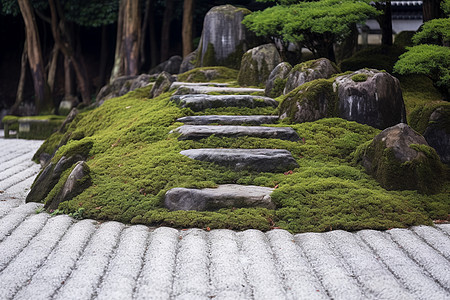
[{"x": 45, "y": 257}]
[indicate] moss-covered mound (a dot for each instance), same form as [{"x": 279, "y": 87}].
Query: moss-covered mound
[
  {"x": 134, "y": 161},
  {"x": 374, "y": 57},
  {"x": 206, "y": 74}
]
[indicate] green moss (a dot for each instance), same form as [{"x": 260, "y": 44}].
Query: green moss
[
  {"x": 209, "y": 59},
  {"x": 134, "y": 161},
  {"x": 404, "y": 39},
  {"x": 217, "y": 74},
  {"x": 419, "y": 119},
  {"x": 359, "y": 77},
  {"x": 251, "y": 73}
]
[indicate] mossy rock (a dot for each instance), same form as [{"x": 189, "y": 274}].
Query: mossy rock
[
  {"x": 400, "y": 159},
  {"x": 309, "y": 102},
  {"x": 209, "y": 74},
  {"x": 277, "y": 80}
]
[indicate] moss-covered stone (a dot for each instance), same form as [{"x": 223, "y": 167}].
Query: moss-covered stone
[
  {"x": 359, "y": 77},
  {"x": 310, "y": 102},
  {"x": 400, "y": 159},
  {"x": 209, "y": 74}
]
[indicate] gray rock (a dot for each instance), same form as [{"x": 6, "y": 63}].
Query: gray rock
[
  {"x": 277, "y": 80},
  {"x": 77, "y": 181},
  {"x": 175, "y": 85},
  {"x": 70, "y": 117},
  {"x": 224, "y": 196},
  {"x": 370, "y": 97},
  {"x": 198, "y": 102},
  {"x": 400, "y": 159},
  {"x": 257, "y": 63},
  {"x": 224, "y": 38},
  {"x": 228, "y": 120},
  {"x": 162, "y": 84},
  {"x": 437, "y": 133},
  {"x": 309, "y": 71},
  {"x": 122, "y": 85},
  {"x": 171, "y": 66},
  {"x": 195, "y": 132},
  {"x": 201, "y": 89},
  {"x": 260, "y": 160},
  {"x": 188, "y": 62}
]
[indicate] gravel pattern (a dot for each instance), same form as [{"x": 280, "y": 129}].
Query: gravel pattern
[{"x": 57, "y": 257}]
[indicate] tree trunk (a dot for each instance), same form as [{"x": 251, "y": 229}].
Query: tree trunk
[
  {"x": 117, "y": 70},
  {"x": 431, "y": 9},
  {"x": 144, "y": 28},
  {"x": 103, "y": 59},
  {"x": 42, "y": 93},
  {"x": 65, "y": 43},
  {"x": 188, "y": 17},
  {"x": 165, "y": 30},
  {"x": 69, "y": 89},
  {"x": 20, "y": 87},
  {"x": 52, "y": 68},
  {"x": 154, "y": 49},
  {"x": 131, "y": 36},
  {"x": 385, "y": 21}
]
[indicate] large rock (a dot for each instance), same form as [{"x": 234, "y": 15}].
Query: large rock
[
  {"x": 77, "y": 181},
  {"x": 260, "y": 160},
  {"x": 228, "y": 120},
  {"x": 224, "y": 196},
  {"x": 162, "y": 84},
  {"x": 224, "y": 38},
  {"x": 195, "y": 132},
  {"x": 201, "y": 89},
  {"x": 188, "y": 62},
  {"x": 277, "y": 80},
  {"x": 309, "y": 102},
  {"x": 198, "y": 102},
  {"x": 207, "y": 74},
  {"x": 437, "y": 132},
  {"x": 309, "y": 71},
  {"x": 122, "y": 85},
  {"x": 400, "y": 159},
  {"x": 370, "y": 97},
  {"x": 257, "y": 63},
  {"x": 171, "y": 66}
]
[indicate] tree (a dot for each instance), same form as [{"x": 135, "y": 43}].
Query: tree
[
  {"x": 317, "y": 25},
  {"x": 431, "y": 55},
  {"x": 188, "y": 15}
]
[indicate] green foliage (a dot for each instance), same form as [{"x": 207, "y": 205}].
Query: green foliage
[
  {"x": 430, "y": 60},
  {"x": 374, "y": 57},
  {"x": 93, "y": 13},
  {"x": 436, "y": 31},
  {"x": 134, "y": 161},
  {"x": 404, "y": 39},
  {"x": 445, "y": 5}
]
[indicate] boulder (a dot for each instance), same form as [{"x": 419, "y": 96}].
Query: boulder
[
  {"x": 309, "y": 71},
  {"x": 259, "y": 160},
  {"x": 224, "y": 38},
  {"x": 228, "y": 120},
  {"x": 188, "y": 63},
  {"x": 437, "y": 132},
  {"x": 77, "y": 181},
  {"x": 171, "y": 66},
  {"x": 370, "y": 97},
  {"x": 207, "y": 74},
  {"x": 257, "y": 63},
  {"x": 122, "y": 85},
  {"x": 224, "y": 196},
  {"x": 195, "y": 132},
  {"x": 277, "y": 80},
  {"x": 400, "y": 159},
  {"x": 199, "y": 102},
  {"x": 309, "y": 102},
  {"x": 162, "y": 84}
]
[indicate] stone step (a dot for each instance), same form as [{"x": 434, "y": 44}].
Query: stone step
[
  {"x": 201, "y": 89},
  {"x": 228, "y": 120},
  {"x": 201, "y": 102},
  {"x": 175, "y": 85},
  {"x": 195, "y": 132},
  {"x": 226, "y": 195},
  {"x": 260, "y": 160}
]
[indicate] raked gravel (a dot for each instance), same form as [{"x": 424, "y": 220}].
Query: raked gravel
[{"x": 57, "y": 257}]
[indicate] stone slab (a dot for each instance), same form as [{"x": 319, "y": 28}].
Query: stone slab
[
  {"x": 228, "y": 120},
  {"x": 201, "y": 102},
  {"x": 260, "y": 160},
  {"x": 226, "y": 195},
  {"x": 177, "y": 84},
  {"x": 199, "y": 89},
  {"x": 195, "y": 132}
]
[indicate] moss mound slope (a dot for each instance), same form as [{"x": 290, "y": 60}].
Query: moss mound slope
[{"x": 134, "y": 160}]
